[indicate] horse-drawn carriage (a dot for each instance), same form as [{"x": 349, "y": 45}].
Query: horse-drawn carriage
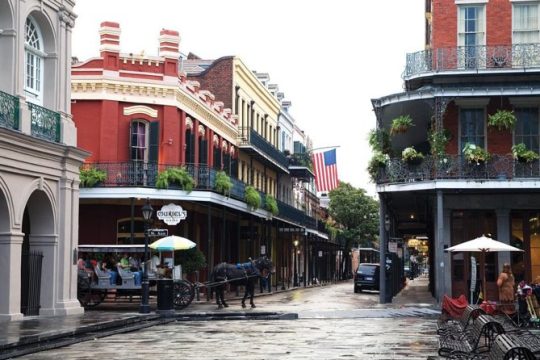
[{"x": 94, "y": 286}]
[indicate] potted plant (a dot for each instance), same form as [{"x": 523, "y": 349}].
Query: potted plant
[
  {"x": 378, "y": 161},
  {"x": 379, "y": 140},
  {"x": 271, "y": 205},
  {"x": 223, "y": 183},
  {"x": 91, "y": 176},
  {"x": 475, "y": 154},
  {"x": 401, "y": 124},
  {"x": 502, "y": 120},
  {"x": 252, "y": 197},
  {"x": 411, "y": 156},
  {"x": 191, "y": 260},
  {"x": 175, "y": 175},
  {"x": 521, "y": 154}
]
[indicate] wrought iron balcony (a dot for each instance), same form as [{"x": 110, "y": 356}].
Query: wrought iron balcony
[
  {"x": 464, "y": 58},
  {"x": 9, "y": 111},
  {"x": 45, "y": 123},
  {"x": 499, "y": 167},
  {"x": 249, "y": 137},
  {"x": 295, "y": 215}
]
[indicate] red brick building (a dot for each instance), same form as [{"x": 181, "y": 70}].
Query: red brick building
[{"x": 475, "y": 87}]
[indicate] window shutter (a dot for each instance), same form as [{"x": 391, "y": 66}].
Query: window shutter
[
  {"x": 203, "y": 151},
  {"x": 189, "y": 147},
  {"x": 217, "y": 158},
  {"x": 227, "y": 163},
  {"x": 234, "y": 168},
  {"x": 153, "y": 151}
]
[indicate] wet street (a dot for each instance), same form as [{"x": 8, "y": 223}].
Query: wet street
[{"x": 334, "y": 323}]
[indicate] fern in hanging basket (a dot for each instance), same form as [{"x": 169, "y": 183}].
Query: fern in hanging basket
[
  {"x": 502, "y": 120},
  {"x": 401, "y": 124},
  {"x": 223, "y": 183},
  {"x": 271, "y": 205},
  {"x": 521, "y": 154},
  {"x": 175, "y": 175},
  {"x": 91, "y": 176},
  {"x": 252, "y": 197}
]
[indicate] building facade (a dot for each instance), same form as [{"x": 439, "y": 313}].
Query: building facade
[
  {"x": 39, "y": 161},
  {"x": 480, "y": 65}
]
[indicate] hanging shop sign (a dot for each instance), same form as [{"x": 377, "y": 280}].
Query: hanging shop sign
[{"x": 171, "y": 214}]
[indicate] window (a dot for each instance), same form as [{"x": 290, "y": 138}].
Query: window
[
  {"x": 472, "y": 127},
  {"x": 526, "y": 130},
  {"x": 123, "y": 232},
  {"x": 525, "y": 24},
  {"x": 139, "y": 141},
  {"x": 471, "y": 34},
  {"x": 33, "y": 51}
]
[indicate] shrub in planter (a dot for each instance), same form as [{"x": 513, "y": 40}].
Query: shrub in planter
[
  {"x": 223, "y": 183},
  {"x": 411, "y": 156},
  {"x": 175, "y": 175},
  {"x": 92, "y": 176},
  {"x": 401, "y": 124},
  {"x": 502, "y": 120},
  {"x": 379, "y": 140},
  {"x": 378, "y": 161},
  {"x": 271, "y": 205},
  {"x": 475, "y": 154},
  {"x": 438, "y": 141},
  {"x": 252, "y": 197},
  {"x": 521, "y": 154},
  {"x": 191, "y": 260}
]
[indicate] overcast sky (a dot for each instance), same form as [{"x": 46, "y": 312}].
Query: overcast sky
[{"x": 329, "y": 58}]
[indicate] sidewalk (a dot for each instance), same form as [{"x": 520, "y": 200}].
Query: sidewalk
[{"x": 415, "y": 293}]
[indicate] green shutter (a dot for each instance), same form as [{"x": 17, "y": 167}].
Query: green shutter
[{"x": 153, "y": 151}]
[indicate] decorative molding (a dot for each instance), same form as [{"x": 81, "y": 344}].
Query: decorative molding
[
  {"x": 189, "y": 123},
  {"x": 224, "y": 145},
  {"x": 202, "y": 130},
  {"x": 140, "y": 109},
  {"x": 216, "y": 140}
]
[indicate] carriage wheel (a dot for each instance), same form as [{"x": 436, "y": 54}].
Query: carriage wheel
[
  {"x": 87, "y": 296},
  {"x": 183, "y": 294}
]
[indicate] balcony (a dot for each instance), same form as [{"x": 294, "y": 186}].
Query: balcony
[
  {"x": 250, "y": 139},
  {"x": 301, "y": 166},
  {"x": 9, "y": 111},
  {"x": 499, "y": 167},
  {"x": 294, "y": 215},
  {"x": 473, "y": 58},
  {"x": 44, "y": 123}
]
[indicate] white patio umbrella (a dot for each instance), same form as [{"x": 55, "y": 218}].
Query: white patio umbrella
[{"x": 483, "y": 245}]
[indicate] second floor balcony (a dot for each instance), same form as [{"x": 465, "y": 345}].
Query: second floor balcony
[
  {"x": 249, "y": 139},
  {"x": 509, "y": 58}
]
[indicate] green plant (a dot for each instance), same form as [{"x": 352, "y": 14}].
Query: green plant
[
  {"x": 91, "y": 176},
  {"x": 223, "y": 183},
  {"x": 438, "y": 141},
  {"x": 502, "y": 120},
  {"x": 379, "y": 140},
  {"x": 175, "y": 175},
  {"x": 191, "y": 260},
  {"x": 474, "y": 153},
  {"x": 401, "y": 124},
  {"x": 409, "y": 154},
  {"x": 378, "y": 161},
  {"x": 252, "y": 197},
  {"x": 520, "y": 153},
  {"x": 271, "y": 205}
]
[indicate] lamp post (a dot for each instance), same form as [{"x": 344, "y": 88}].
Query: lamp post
[
  {"x": 147, "y": 212},
  {"x": 295, "y": 263}
]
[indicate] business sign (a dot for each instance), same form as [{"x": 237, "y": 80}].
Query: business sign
[
  {"x": 157, "y": 232},
  {"x": 171, "y": 214},
  {"x": 392, "y": 246}
]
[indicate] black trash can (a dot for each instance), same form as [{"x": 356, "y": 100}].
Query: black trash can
[{"x": 165, "y": 296}]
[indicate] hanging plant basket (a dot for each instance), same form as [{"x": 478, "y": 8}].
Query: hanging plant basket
[
  {"x": 223, "y": 183},
  {"x": 271, "y": 205},
  {"x": 91, "y": 177},
  {"x": 522, "y": 155},
  {"x": 401, "y": 124},
  {"x": 502, "y": 120},
  {"x": 175, "y": 175},
  {"x": 252, "y": 197}
]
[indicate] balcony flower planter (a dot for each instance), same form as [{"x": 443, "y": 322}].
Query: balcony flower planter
[
  {"x": 502, "y": 120},
  {"x": 175, "y": 175},
  {"x": 223, "y": 183},
  {"x": 401, "y": 124},
  {"x": 411, "y": 156},
  {"x": 376, "y": 164},
  {"x": 522, "y": 155},
  {"x": 252, "y": 198},
  {"x": 91, "y": 177},
  {"x": 271, "y": 205},
  {"x": 475, "y": 154},
  {"x": 379, "y": 140}
]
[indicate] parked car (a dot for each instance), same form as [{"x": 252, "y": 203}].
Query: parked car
[{"x": 366, "y": 277}]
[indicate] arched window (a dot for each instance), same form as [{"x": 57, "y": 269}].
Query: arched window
[
  {"x": 33, "y": 69},
  {"x": 139, "y": 141}
]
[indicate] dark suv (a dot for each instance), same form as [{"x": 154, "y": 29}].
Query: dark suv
[{"x": 366, "y": 277}]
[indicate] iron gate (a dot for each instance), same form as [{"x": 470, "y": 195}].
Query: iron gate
[{"x": 31, "y": 282}]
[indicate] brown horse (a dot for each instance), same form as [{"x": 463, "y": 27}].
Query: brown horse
[{"x": 246, "y": 274}]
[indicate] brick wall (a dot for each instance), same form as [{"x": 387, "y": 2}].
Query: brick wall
[{"x": 218, "y": 78}]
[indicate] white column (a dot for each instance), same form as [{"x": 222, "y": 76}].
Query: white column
[
  {"x": 10, "y": 276},
  {"x": 47, "y": 244}
]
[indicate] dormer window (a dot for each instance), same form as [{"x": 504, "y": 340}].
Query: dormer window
[{"x": 33, "y": 70}]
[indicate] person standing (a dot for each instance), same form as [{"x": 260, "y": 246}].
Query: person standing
[{"x": 506, "y": 285}]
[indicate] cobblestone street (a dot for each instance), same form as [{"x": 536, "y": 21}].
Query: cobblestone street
[{"x": 334, "y": 323}]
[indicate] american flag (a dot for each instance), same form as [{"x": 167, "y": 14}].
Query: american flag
[{"x": 325, "y": 165}]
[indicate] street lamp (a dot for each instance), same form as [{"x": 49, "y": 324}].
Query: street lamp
[
  {"x": 147, "y": 212},
  {"x": 295, "y": 263}
]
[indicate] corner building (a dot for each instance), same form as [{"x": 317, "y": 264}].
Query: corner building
[{"x": 481, "y": 57}]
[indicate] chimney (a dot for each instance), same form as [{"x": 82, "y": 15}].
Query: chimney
[
  {"x": 109, "y": 36},
  {"x": 169, "y": 41}
]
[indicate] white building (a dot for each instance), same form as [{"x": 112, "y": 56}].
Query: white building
[{"x": 39, "y": 161}]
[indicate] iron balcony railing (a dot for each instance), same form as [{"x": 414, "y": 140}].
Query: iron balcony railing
[
  {"x": 140, "y": 174},
  {"x": 45, "y": 123},
  {"x": 249, "y": 137},
  {"x": 9, "y": 111},
  {"x": 463, "y": 58},
  {"x": 498, "y": 167},
  {"x": 301, "y": 159}
]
